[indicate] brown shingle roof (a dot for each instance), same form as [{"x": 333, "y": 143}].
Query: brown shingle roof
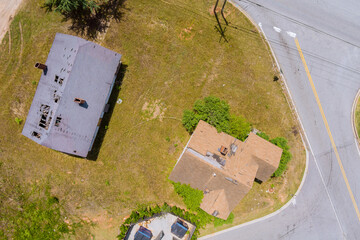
[{"x": 225, "y": 179}]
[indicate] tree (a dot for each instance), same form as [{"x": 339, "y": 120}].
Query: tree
[
  {"x": 239, "y": 127},
  {"x": 190, "y": 120},
  {"x": 211, "y": 110},
  {"x": 70, "y": 6}
]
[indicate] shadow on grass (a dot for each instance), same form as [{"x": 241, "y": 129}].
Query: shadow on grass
[
  {"x": 90, "y": 23},
  {"x": 93, "y": 154}
]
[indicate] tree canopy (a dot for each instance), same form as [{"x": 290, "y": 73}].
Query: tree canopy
[{"x": 70, "y": 6}]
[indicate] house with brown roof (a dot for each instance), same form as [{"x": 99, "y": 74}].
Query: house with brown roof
[{"x": 223, "y": 167}]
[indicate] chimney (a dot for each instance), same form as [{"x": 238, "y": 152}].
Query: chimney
[
  {"x": 40, "y": 66},
  {"x": 79, "y": 100},
  {"x": 223, "y": 150}
]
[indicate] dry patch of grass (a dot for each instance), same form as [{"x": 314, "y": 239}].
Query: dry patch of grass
[{"x": 165, "y": 74}]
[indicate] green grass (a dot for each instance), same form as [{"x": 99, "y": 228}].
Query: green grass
[
  {"x": 357, "y": 118},
  {"x": 173, "y": 57}
]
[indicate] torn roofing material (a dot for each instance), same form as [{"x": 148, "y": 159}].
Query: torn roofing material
[
  {"x": 223, "y": 167},
  {"x": 71, "y": 96}
]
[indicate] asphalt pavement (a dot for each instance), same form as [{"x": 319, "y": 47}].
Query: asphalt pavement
[{"x": 328, "y": 34}]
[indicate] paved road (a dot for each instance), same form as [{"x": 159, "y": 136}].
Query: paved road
[{"x": 329, "y": 35}]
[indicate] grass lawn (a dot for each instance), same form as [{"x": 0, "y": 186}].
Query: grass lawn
[{"x": 172, "y": 56}]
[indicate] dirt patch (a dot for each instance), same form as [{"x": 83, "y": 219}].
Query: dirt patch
[
  {"x": 153, "y": 110},
  {"x": 7, "y": 12},
  {"x": 187, "y": 33},
  {"x": 18, "y": 109},
  {"x": 211, "y": 10},
  {"x": 227, "y": 12},
  {"x": 210, "y": 76},
  {"x": 154, "y": 24}
]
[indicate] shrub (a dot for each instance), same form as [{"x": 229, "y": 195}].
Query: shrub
[
  {"x": 263, "y": 135},
  {"x": 211, "y": 110},
  {"x": 18, "y": 120},
  {"x": 239, "y": 127},
  {"x": 192, "y": 197},
  {"x": 285, "y": 157},
  {"x": 190, "y": 121},
  {"x": 219, "y": 222}
]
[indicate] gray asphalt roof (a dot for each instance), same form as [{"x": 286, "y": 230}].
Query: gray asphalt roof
[{"x": 76, "y": 68}]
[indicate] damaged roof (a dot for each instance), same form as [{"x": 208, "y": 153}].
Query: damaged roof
[{"x": 71, "y": 96}]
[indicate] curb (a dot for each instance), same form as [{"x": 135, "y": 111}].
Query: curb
[
  {"x": 303, "y": 136},
  {"x": 353, "y": 110}
]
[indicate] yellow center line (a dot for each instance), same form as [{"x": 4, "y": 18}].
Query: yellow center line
[{"x": 328, "y": 129}]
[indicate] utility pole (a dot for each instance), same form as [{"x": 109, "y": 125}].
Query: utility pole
[
  {"x": 222, "y": 12},
  {"x": 219, "y": 28}
]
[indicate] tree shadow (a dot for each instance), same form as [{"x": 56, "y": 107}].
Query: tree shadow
[
  {"x": 93, "y": 154},
  {"x": 90, "y": 23}
]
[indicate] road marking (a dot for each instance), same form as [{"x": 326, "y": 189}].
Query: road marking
[
  {"x": 291, "y": 34},
  {"x": 328, "y": 129},
  {"x": 277, "y": 29}
]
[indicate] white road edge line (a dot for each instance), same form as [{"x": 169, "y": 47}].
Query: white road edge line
[
  {"x": 306, "y": 150},
  {"x": 277, "y": 29},
  {"x": 291, "y": 34}
]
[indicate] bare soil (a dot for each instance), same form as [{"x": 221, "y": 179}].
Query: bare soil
[{"x": 7, "y": 12}]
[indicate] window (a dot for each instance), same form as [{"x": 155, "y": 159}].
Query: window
[
  {"x": 56, "y": 97},
  {"x": 58, "y": 80},
  {"x": 57, "y": 121},
  {"x": 36, "y": 134},
  {"x": 44, "y": 112}
]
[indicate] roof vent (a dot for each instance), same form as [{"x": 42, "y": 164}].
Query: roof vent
[
  {"x": 79, "y": 100},
  {"x": 41, "y": 66},
  {"x": 215, "y": 213}
]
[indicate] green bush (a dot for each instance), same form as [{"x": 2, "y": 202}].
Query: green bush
[
  {"x": 190, "y": 120},
  {"x": 263, "y": 135},
  {"x": 211, "y": 110},
  {"x": 192, "y": 197},
  {"x": 217, "y": 113},
  {"x": 285, "y": 157},
  {"x": 219, "y": 222},
  {"x": 239, "y": 127},
  {"x": 18, "y": 120}
]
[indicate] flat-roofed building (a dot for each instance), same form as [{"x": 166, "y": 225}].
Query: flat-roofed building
[
  {"x": 165, "y": 226},
  {"x": 223, "y": 167}
]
